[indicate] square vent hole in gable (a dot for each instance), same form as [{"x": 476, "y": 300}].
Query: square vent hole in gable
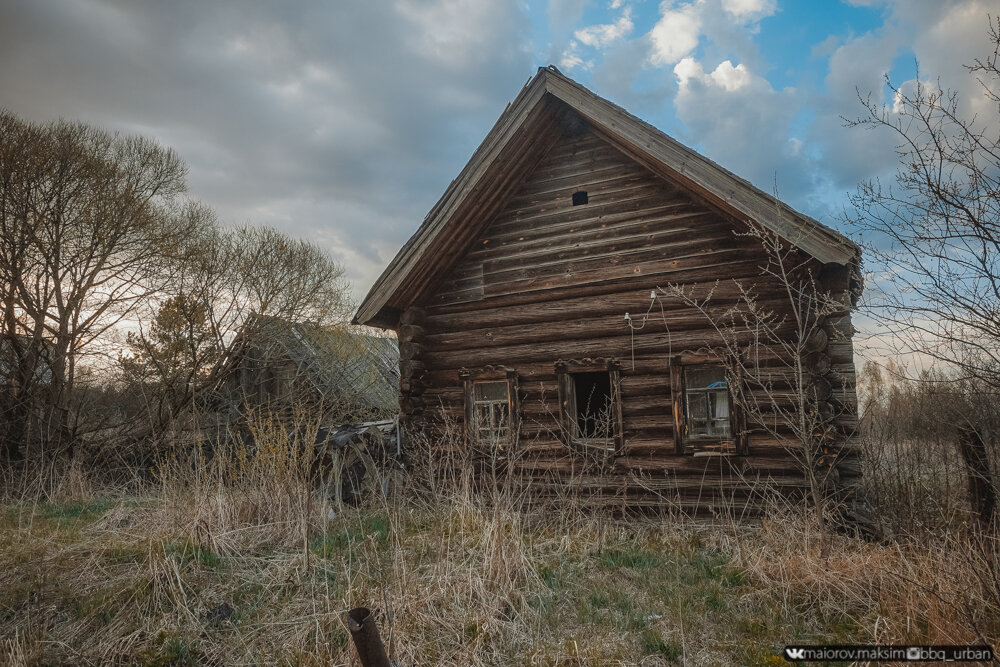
[{"x": 579, "y": 197}]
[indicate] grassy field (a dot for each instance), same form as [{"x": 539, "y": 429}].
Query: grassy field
[{"x": 256, "y": 571}]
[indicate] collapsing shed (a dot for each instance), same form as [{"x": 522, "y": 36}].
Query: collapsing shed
[
  {"x": 509, "y": 300},
  {"x": 329, "y": 372}
]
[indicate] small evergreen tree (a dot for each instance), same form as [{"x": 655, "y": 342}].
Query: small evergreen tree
[{"x": 174, "y": 356}]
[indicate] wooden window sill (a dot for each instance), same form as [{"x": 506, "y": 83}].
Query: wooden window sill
[
  {"x": 696, "y": 447},
  {"x": 595, "y": 444}
]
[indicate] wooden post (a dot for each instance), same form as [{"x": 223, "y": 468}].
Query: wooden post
[{"x": 371, "y": 652}]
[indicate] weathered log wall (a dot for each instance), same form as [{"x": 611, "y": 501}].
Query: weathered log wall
[{"x": 548, "y": 281}]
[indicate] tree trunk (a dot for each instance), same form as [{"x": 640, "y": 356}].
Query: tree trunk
[
  {"x": 15, "y": 416},
  {"x": 982, "y": 490}
]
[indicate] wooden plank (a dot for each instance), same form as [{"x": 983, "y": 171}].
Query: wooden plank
[
  {"x": 598, "y": 197},
  {"x": 516, "y": 223},
  {"x": 542, "y": 241},
  {"x": 542, "y": 238},
  {"x": 610, "y": 324},
  {"x": 560, "y": 299},
  {"x": 672, "y": 245},
  {"x": 616, "y": 346},
  {"x": 617, "y": 298}
]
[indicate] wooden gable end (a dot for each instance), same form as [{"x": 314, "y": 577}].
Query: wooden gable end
[{"x": 635, "y": 227}]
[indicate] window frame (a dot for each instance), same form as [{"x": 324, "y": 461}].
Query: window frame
[
  {"x": 489, "y": 374},
  {"x": 565, "y": 370},
  {"x": 706, "y": 445}
]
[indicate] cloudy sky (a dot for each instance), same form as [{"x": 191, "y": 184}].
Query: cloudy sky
[{"x": 343, "y": 121}]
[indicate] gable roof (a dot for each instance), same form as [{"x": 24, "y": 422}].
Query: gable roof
[{"x": 520, "y": 136}]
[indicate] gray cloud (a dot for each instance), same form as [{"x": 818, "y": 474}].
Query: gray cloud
[
  {"x": 850, "y": 155},
  {"x": 332, "y": 121}
]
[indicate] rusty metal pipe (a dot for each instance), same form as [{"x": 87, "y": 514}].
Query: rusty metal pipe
[{"x": 361, "y": 623}]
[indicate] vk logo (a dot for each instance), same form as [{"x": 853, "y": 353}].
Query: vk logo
[{"x": 795, "y": 653}]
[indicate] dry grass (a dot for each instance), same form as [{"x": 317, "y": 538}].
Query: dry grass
[{"x": 461, "y": 577}]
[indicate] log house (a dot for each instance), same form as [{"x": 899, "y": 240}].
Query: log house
[{"x": 510, "y": 305}]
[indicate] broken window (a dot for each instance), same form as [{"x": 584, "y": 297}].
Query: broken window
[
  {"x": 706, "y": 394},
  {"x": 490, "y": 408},
  {"x": 705, "y": 418},
  {"x": 591, "y": 404},
  {"x": 491, "y": 412}
]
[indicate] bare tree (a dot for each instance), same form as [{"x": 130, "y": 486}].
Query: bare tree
[
  {"x": 86, "y": 220},
  {"x": 935, "y": 233}
]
